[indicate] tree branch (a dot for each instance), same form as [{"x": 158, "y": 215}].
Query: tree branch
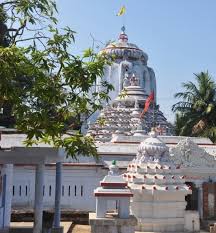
[
  {"x": 32, "y": 38},
  {"x": 7, "y": 3},
  {"x": 18, "y": 30}
]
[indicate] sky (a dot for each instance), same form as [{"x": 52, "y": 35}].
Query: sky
[{"x": 179, "y": 36}]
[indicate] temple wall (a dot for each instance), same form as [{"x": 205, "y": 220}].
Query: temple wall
[
  {"x": 77, "y": 187},
  {"x": 84, "y": 176}
]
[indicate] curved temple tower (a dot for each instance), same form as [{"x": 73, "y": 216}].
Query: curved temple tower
[
  {"x": 133, "y": 81},
  {"x": 129, "y": 60}
]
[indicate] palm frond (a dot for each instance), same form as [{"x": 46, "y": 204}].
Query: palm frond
[
  {"x": 182, "y": 106},
  {"x": 186, "y": 96},
  {"x": 190, "y": 86},
  {"x": 210, "y": 132},
  {"x": 197, "y": 107}
]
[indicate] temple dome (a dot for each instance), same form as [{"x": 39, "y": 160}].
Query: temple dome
[
  {"x": 152, "y": 146},
  {"x": 122, "y": 48}
]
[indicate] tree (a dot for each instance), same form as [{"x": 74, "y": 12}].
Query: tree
[
  {"x": 196, "y": 111},
  {"x": 39, "y": 53},
  {"x": 6, "y": 118}
]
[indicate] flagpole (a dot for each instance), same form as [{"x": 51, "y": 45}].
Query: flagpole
[
  {"x": 154, "y": 114},
  {"x": 121, "y": 12},
  {"x": 123, "y": 20}
]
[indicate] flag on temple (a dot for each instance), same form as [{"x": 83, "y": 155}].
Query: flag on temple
[
  {"x": 149, "y": 100},
  {"x": 121, "y": 11}
]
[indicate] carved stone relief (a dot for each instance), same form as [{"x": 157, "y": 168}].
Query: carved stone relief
[{"x": 189, "y": 154}]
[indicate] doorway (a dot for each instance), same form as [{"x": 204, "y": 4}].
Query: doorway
[{"x": 192, "y": 199}]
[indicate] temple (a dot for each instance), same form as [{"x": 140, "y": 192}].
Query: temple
[
  {"x": 120, "y": 133},
  {"x": 133, "y": 82}
]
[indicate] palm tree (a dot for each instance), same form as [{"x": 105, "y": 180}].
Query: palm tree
[{"x": 197, "y": 109}]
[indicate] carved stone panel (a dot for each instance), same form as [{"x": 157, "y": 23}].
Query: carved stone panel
[{"x": 189, "y": 154}]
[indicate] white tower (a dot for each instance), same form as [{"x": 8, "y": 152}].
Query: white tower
[{"x": 129, "y": 60}]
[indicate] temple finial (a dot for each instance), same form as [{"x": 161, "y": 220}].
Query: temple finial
[
  {"x": 123, "y": 29},
  {"x": 123, "y": 36},
  {"x": 114, "y": 162}
]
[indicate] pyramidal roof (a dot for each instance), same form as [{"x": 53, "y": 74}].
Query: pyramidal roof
[{"x": 123, "y": 116}]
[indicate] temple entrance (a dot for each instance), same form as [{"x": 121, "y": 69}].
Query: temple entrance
[{"x": 192, "y": 199}]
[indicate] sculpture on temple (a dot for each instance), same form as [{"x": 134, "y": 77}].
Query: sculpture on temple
[
  {"x": 136, "y": 104},
  {"x": 189, "y": 154},
  {"x": 126, "y": 81},
  {"x": 125, "y": 73},
  {"x": 134, "y": 81}
]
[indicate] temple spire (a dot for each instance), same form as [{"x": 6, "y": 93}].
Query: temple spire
[
  {"x": 123, "y": 29},
  {"x": 123, "y": 36}
]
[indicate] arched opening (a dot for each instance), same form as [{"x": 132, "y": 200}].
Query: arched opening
[{"x": 192, "y": 199}]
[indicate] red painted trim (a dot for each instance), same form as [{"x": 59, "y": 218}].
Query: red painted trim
[
  {"x": 105, "y": 184},
  {"x": 113, "y": 195},
  {"x": 120, "y": 168}
]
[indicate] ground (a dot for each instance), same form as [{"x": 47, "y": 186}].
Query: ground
[
  {"x": 69, "y": 227},
  {"x": 80, "y": 229}
]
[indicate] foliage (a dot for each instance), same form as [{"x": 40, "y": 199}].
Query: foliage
[
  {"x": 123, "y": 94},
  {"x": 61, "y": 83},
  {"x": 197, "y": 108},
  {"x": 101, "y": 121}
]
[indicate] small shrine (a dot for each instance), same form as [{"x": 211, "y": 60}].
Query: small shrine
[
  {"x": 159, "y": 189},
  {"x": 113, "y": 188}
]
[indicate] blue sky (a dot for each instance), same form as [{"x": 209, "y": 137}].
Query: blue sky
[{"x": 179, "y": 36}]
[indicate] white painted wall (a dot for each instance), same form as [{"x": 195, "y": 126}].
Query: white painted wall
[{"x": 78, "y": 185}]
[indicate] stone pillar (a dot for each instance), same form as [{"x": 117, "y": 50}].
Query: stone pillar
[
  {"x": 57, "y": 214},
  {"x": 8, "y": 194},
  {"x": 124, "y": 211},
  {"x": 200, "y": 201},
  {"x": 101, "y": 207},
  {"x": 38, "y": 205},
  {"x": 199, "y": 185}
]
